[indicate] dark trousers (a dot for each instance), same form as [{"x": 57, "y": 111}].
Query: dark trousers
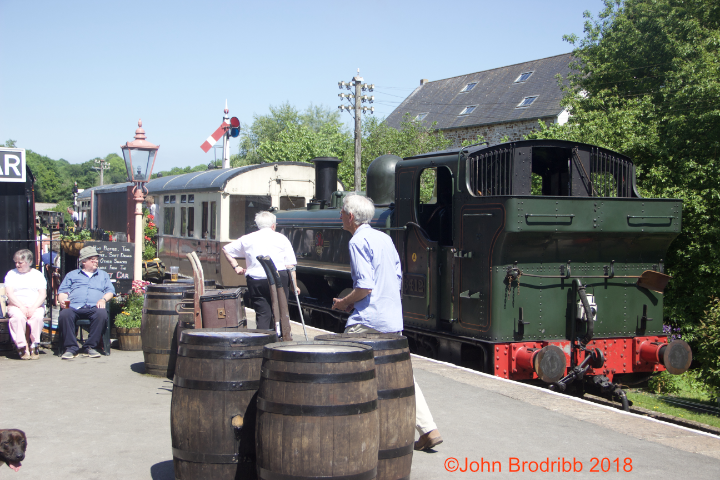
[
  {"x": 259, "y": 292},
  {"x": 66, "y": 323}
]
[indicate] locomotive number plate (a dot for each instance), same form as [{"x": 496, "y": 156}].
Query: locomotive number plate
[{"x": 414, "y": 285}]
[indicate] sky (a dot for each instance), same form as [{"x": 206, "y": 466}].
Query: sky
[{"x": 76, "y": 76}]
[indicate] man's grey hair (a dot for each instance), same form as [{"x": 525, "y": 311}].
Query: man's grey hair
[
  {"x": 24, "y": 255},
  {"x": 360, "y": 207},
  {"x": 264, "y": 220}
]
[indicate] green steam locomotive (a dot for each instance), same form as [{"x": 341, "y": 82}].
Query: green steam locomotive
[{"x": 533, "y": 260}]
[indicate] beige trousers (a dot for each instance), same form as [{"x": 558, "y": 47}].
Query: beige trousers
[{"x": 423, "y": 418}]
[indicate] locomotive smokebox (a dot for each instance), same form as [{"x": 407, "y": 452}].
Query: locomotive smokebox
[
  {"x": 381, "y": 179},
  {"x": 325, "y": 178}
]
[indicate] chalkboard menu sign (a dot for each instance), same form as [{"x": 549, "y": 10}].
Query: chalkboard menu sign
[{"x": 117, "y": 259}]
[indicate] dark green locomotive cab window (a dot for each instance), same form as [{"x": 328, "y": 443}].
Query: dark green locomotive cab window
[{"x": 434, "y": 203}]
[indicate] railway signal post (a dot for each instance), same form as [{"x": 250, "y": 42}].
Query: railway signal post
[{"x": 229, "y": 128}]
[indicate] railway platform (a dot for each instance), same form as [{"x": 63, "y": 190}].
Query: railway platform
[{"x": 103, "y": 418}]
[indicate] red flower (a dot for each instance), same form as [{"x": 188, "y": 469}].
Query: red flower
[{"x": 151, "y": 217}]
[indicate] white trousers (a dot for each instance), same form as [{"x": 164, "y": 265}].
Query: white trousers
[
  {"x": 19, "y": 322},
  {"x": 423, "y": 418}
]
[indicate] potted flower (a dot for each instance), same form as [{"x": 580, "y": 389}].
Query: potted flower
[
  {"x": 128, "y": 321},
  {"x": 73, "y": 242}
]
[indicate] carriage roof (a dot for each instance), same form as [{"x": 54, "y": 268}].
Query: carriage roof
[{"x": 209, "y": 180}]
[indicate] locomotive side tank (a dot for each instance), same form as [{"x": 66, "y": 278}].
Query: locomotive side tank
[{"x": 532, "y": 260}]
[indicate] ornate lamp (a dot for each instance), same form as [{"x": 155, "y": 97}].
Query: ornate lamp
[{"x": 139, "y": 158}]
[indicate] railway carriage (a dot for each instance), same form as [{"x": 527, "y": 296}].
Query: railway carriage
[
  {"x": 532, "y": 260},
  {"x": 203, "y": 211}
]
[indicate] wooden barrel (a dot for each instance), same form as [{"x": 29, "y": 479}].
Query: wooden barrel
[
  {"x": 159, "y": 327},
  {"x": 212, "y": 414},
  {"x": 6, "y": 343},
  {"x": 396, "y": 400},
  {"x": 317, "y": 412}
]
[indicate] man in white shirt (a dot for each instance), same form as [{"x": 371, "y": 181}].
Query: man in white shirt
[{"x": 266, "y": 242}]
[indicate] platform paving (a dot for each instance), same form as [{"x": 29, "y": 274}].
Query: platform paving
[{"x": 105, "y": 419}]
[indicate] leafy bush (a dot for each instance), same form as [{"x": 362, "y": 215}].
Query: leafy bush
[
  {"x": 707, "y": 346},
  {"x": 78, "y": 236},
  {"x": 664, "y": 383},
  {"x": 131, "y": 314}
]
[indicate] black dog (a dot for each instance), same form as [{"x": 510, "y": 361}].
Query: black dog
[{"x": 13, "y": 443}]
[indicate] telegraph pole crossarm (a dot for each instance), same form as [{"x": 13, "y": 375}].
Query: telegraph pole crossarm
[{"x": 355, "y": 100}]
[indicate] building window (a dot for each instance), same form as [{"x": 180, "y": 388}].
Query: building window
[
  {"x": 468, "y": 87},
  {"x": 523, "y": 77},
  {"x": 468, "y": 110},
  {"x": 421, "y": 116},
  {"x": 183, "y": 198},
  {"x": 527, "y": 101}
]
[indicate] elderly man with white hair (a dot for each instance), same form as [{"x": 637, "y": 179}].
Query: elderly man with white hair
[
  {"x": 266, "y": 242},
  {"x": 375, "y": 300}
]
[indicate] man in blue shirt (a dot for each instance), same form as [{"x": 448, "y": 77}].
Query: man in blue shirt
[
  {"x": 375, "y": 300},
  {"x": 88, "y": 289}
]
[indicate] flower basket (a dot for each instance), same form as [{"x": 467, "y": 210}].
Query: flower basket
[
  {"x": 129, "y": 338},
  {"x": 71, "y": 247}
]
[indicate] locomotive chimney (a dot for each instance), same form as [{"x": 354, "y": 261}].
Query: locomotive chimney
[{"x": 325, "y": 178}]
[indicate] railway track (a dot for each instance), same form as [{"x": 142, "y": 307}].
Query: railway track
[{"x": 664, "y": 416}]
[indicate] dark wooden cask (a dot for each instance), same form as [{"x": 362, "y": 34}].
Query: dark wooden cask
[
  {"x": 396, "y": 400},
  {"x": 317, "y": 412},
  {"x": 212, "y": 414},
  {"x": 158, "y": 329}
]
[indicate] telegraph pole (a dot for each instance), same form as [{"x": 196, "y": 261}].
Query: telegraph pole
[
  {"x": 102, "y": 166},
  {"x": 358, "y": 110}
]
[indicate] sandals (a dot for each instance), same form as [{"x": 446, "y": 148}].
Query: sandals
[{"x": 24, "y": 355}]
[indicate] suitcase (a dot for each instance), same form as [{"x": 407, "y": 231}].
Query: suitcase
[{"x": 223, "y": 308}]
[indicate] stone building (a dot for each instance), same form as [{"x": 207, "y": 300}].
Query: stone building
[{"x": 506, "y": 101}]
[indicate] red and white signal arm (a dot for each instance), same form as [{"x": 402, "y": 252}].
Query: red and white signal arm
[
  {"x": 217, "y": 134},
  {"x": 12, "y": 165}
]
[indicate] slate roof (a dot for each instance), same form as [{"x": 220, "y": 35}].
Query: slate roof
[{"x": 496, "y": 96}]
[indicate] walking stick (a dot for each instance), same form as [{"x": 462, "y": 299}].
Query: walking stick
[{"x": 297, "y": 299}]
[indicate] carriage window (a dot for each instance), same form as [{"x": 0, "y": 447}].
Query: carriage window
[
  {"x": 167, "y": 198},
  {"x": 213, "y": 219},
  {"x": 191, "y": 198},
  {"x": 183, "y": 198},
  {"x": 172, "y": 198},
  {"x": 183, "y": 221},
  {"x": 191, "y": 222},
  {"x": 287, "y": 203},
  {"x": 204, "y": 221},
  {"x": 169, "y": 220},
  {"x": 242, "y": 213}
]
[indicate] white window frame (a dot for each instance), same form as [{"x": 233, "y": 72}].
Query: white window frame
[
  {"x": 465, "y": 112},
  {"x": 534, "y": 97},
  {"x": 419, "y": 118},
  {"x": 517, "y": 80},
  {"x": 466, "y": 89}
]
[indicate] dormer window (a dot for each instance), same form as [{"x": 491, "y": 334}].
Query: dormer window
[
  {"x": 523, "y": 77},
  {"x": 468, "y": 87},
  {"x": 468, "y": 110},
  {"x": 527, "y": 101},
  {"x": 421, "y": 116}
]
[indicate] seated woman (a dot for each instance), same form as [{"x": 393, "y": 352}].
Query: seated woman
[{"x": 26, "y": 291}]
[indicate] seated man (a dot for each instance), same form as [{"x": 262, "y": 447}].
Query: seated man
[{"x": 88, "y": 289}]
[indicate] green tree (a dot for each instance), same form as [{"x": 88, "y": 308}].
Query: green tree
[
  {"x": 10, "y": 144},
  {"x": 646, "y": 84},
  {"x": 266, "y": 129}
]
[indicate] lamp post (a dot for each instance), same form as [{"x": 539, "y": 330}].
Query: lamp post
[{"x": 139, "y": 158}]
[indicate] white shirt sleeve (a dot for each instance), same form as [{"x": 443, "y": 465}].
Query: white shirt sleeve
[
  {"x": 236, "y": 248},
  {"x": 289, "y": 253}
]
